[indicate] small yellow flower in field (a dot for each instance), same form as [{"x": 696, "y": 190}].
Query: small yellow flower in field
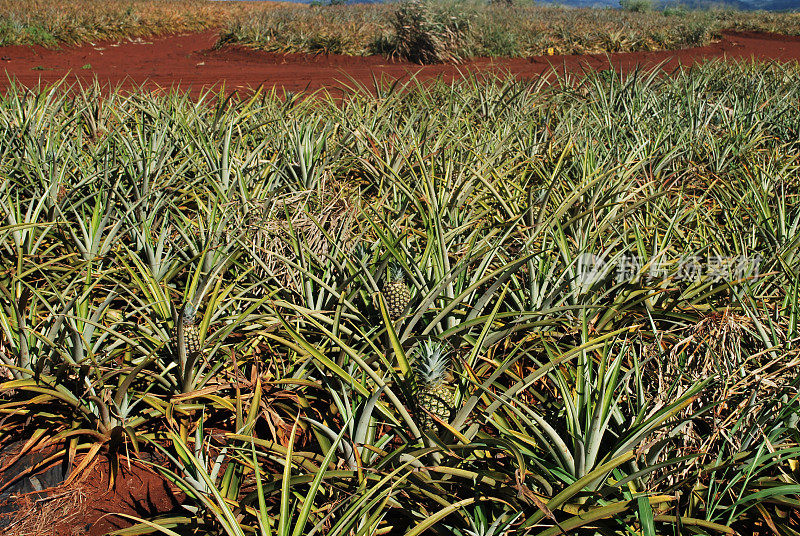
[{"x": 551, "y": 51}]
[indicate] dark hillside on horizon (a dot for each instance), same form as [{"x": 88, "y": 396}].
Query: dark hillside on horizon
[{"x": 746, "y": 5}]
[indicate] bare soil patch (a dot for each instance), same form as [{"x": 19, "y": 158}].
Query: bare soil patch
[
  {"x": 190, "y": 61},
  {"x": 87, "y": 506}
]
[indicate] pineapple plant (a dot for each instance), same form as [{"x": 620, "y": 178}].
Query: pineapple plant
[
  {"x": 396, "y": 292},
  {"x": 191, "y": 334},
  {"x": 431, "y": 388}
]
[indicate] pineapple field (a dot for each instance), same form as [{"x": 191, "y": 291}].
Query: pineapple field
[{"x": 489, "y": 307}]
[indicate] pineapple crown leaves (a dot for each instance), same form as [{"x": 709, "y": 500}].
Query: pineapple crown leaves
[
  {"x": 362, "y": 253},
  {"x": 188, "y": 314},
  {"x": 431, "y": 363},
  {"x": 396, "y": 272}
]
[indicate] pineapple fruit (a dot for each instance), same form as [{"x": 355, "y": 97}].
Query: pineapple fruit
[
  {"x": 396, "y": 292},
  {"x": 432, "y": 391},
  {"x": 191, "y": 335}
]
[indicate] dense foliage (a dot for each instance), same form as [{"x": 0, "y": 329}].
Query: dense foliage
[
  {"x": 608, "y": 268},
  {"x": 425, "y": 31},
  {"x": 473, "y": 28},
  {"x": 43, "y": 22}
]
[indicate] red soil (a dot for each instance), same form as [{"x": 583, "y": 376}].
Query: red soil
[
  {"x": 88, "y": 507},
  {"x": 189, "y": 61},
  {"x": 137, "y": 491}
]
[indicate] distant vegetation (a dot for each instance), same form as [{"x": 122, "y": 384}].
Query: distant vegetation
[
  {"x": 419, "y": 30},
  {"x": 45, "y": 22},
  {"x": 746, "y": 5},
  {"x": 446, "y": 31}
]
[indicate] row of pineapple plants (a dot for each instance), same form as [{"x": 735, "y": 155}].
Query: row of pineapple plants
[
  {"x": 436, "y": 31},
  {"x": 92, "y": 21},
  {"x": 372, "y": 315},
  {"x": 426, "y": 31}
]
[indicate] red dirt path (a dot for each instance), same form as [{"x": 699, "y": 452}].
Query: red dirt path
[{"x": 189, "y": 61}]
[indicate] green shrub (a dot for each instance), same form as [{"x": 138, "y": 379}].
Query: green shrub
[
  {"x": 319, "y": 3},
  {"x": 425, "y": 35},
  {"x": 499, "y": 42},
  {"x": 636, "y": 6},
  {"x": 675, "y": 11},
  {"x": 383, "y": 43},
  {"x": 696, "y": 34}
]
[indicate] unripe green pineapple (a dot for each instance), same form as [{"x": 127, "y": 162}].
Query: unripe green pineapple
[
  {"x": 396, "y": 292},
  {"x": 430, "y": 384},
  {"x": 191, "y": 335}
]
